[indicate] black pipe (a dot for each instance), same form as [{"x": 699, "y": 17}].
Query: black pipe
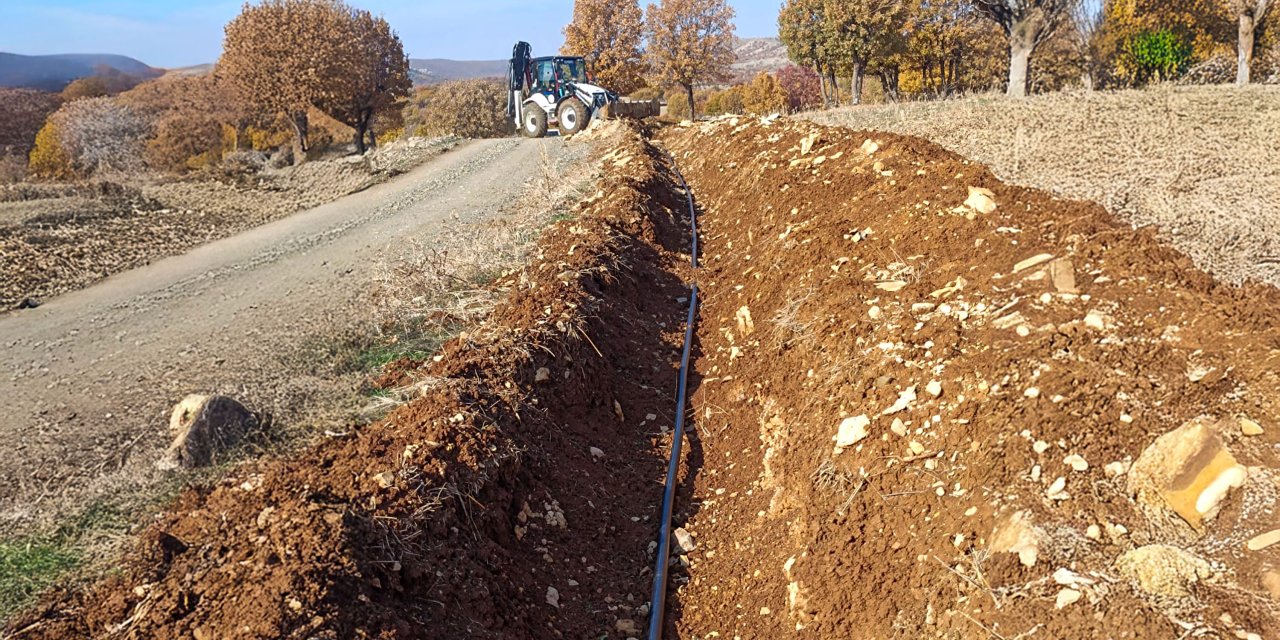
[
  {"x": 657, "y": 605},
  {"x": 658, "y": 600}
]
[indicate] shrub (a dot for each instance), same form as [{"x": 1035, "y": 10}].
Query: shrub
[
  {"x": 1157, "y": 55},
  {"x": 803, "y": 87},
  {"x": 646, "y": 93},
  {"x": 49, "y": 158},
  {"x": 764, "y": 96},
  {"x": 90, "y": 87},
  {"x": 102, "y": 134},
  {"x": 466, "y": 108},
  {"x": 726, "y": 101},
  {"x": 678, "y": 102},
  {"x": 185, "y": 140}
]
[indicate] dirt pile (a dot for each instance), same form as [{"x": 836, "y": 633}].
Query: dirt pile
[
  {"x": 1202, "y": 164},
  {"x": 58, "y": 238},
  {"x": 511, "y": 500},
  {"x": 916, "y": 419}
]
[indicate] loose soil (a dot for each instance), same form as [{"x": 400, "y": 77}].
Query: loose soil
[
  {"x": 517, "y": 496},
  {"x": 865, "y": 279}
]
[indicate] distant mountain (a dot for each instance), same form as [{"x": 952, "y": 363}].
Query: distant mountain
[
  {"x": 54, "y": 72},
  {"x": 436, "y": 70},
  {"x": 758, "y": 54}
]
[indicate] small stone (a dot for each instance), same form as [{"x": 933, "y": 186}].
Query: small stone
[
  {"x": 905, "y": 398},
  {"x": 1163, "y": 570},
  {"x": 543, "y": 374},
  {"x": 916, "y": 448},
  {"x": 970, "y": 512},
  {"x": 1260, "y": 542},
  {"x": 764, "y": 611},
  {"x": 295, "y": 604},
  {"x": 1033, "y": 261},
  {"x": 1063, "y": 274},
  {"x": 1115, "y": 469},
  {"x": 899, "y": 428},
  {"x": 596, "y": 452},
  {"x": 980, "y": 200},
  {"x": 1094, "y": 532},
  {"x": 1076, "y": 462},
  {"x": 1018, "y": 535},
  {"x": 553, "y": 597},
  {"x": 1058, "y": 489},
  {"x": 1023, "y": 331},
  {"x": 1067, "y": 597},
  {"x": 873, "y": 313},
  {"x": 745, "y": 325},
  {"x": 1250, "y": 428},
  {"x": 684, "y": 542},
  {"x": 385, "y": 479},
  {"x": 891, "y": 285},
  {"x": 627, "y": 627},
  {"x": 870, "y": 146},
  {"x": 934, "y": 388},
  {"x": 1095, "y": 320},
  {"x": 851, "y": 431},
  {"x": 1032, "y": 392},
  {"x": 1040, "y": 446}
]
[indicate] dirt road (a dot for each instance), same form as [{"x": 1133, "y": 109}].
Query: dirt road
[{"x": 87, "y": 379}]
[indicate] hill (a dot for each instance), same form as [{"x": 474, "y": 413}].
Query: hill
[
  {"x": 53, "y": 72},
  {"x": 435, "y": 70},
  {"x": 758, "y": 54}
]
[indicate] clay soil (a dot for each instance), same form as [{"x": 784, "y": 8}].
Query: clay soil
[
  {"x": 517, "y": 497},
  {"x": 839, "y": 281}
]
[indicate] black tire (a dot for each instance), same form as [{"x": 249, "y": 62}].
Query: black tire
[
  {"x": 573, "y": 117},
  {"x": 533, "y": 121}
]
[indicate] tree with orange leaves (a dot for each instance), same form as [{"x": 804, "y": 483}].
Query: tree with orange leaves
[
  {"x": 609, "y": 34},
  {"x": 690, "y": 42}
]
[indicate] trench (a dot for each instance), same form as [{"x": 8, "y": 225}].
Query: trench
[{"x": 861, "y": 425}]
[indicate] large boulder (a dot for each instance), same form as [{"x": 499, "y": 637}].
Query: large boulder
[
  {"x": 205, "y": 428},
  {"x": 1188, "y": 471}
]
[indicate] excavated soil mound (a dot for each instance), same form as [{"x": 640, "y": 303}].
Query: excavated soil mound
[
  {"x": 514, "y": 499},
  {"x": 915, "y": 417}
]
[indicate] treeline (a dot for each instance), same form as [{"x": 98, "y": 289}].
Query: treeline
[
  {"x": 295, "y": 76},
  {"x": 948, "y": 46}
]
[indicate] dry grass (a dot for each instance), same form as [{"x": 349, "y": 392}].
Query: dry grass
[{"x": 1201, "y": 163}]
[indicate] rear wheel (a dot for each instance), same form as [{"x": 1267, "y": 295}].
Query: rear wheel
[
  {"x": 573, "y": 116},
  {"x": 533, "y": 121}
]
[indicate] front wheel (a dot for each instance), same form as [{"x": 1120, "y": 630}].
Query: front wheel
[
  {"x": 533, "y": 121},
  {"x": 573, "y": 117}
]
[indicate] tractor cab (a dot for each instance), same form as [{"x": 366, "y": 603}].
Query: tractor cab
[{"x": 552, "y": 90}]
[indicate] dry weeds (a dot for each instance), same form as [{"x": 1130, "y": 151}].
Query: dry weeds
[{"x": 1200, "y": 163}]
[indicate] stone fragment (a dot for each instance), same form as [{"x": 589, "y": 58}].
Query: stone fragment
[
  {"x": 1033, "y": 261},
  {"x": 851, "y": 431},
  {"x": 1067, "y": 597},
  {"x": 1058, "y": 489},
  {"x": 627, "y": 627},
  {"x": 596, "y": 452},
  {"x": 1163, "y": 570},
  {"x": 1262, "y": 541},
  {"x": 553, "y": 597},
  {"x": 684, "y": 542},
  {"x": 870, "y": 146},
  {"x": 1017, "y": 535},
  {"x": 891, "y": 285},
  {"x": 1188, "y": 471},
  {"x": 543, "y": 374},
  {"x": 1063, "y": 274},
  {"x": 1249, "y": 427},
  {"x": 745, "y": 325},
  {"x": 905, "y": 398},
  {"x": 1095, "y": 320},
  {"x": 1010, "y": 321},
  {"x": 899, "y": 428},
  {"x": 1076, "y": 462},
  {"x": 807, "y": 142},
  {"x": 934, "y": 388},
  {"x": 981, "y": 200},
  {"x": 386, "y": 479},
  {"x": 204, "y": 428}
]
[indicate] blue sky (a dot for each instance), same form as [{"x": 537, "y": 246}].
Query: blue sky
[{"x": 175, "y": 33}]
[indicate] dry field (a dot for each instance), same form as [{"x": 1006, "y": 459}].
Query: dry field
[{"x": 1202, "y": 164}]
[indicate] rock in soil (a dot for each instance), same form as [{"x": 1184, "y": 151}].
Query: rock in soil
[{"x": 206, "y": 427}]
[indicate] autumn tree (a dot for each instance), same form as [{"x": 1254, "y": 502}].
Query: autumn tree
[
  {"x": 281, "y": 57},
  {"x": 1250, "y": 16},
  {"x": 690, "y": 41},
  {"x": 858, "y": 32},
  {"x": 949, "y": 46},
  {"x": 801, "y": 27},
  {"x": 1027, "y": 24},
  {"x": 609, "y": 33},
  {"x": 373, "y": 75},
  {"x": 90, "y": 87}
]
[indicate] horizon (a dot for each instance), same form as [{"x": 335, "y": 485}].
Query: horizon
[{"x": 168, "y": 37}]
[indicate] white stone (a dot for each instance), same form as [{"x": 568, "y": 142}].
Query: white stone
[
  {"x": 851, "y": 431},
  {"x": 1067, "y": 597},
  {"x": 1076, "y": 462}
]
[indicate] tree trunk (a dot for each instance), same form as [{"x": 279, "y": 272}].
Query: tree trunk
[
  {"x": 835, "y": 86},
  {"x": 358, "y": 138},
  {"x": 822, "y": 85},
  {"x": 300, "y": 126},
  {"x": 688, "y": 92},
  {"x": 373, "y": 136},
  {"x": 1244, "y": 48},
  {"x": 1020, "y": 47},
  {"x": 889, "y": 80},
  {"x": 855, "y": 83}
]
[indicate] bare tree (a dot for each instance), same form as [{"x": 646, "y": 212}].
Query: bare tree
[
  {"x": 1086, "y": 24},
  {"x": 690, "y": 41},
  {"x": 1027, "y": 23},
  {"x": 1250, "y": 15}
]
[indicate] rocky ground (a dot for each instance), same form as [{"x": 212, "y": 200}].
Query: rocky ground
[
  {"x": 925, "y": 403},
  {"x": 57, "y": 237}
]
